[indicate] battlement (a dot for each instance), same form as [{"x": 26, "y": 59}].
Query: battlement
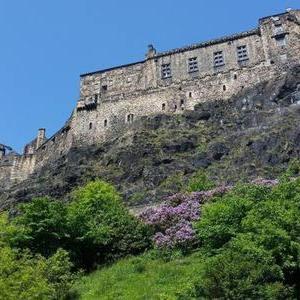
[{"x": 167, "y": 82}]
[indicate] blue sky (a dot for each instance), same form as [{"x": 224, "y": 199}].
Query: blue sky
[{"x": 46, "y": 45}]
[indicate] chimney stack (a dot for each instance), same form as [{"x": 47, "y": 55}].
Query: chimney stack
[{"x": 40, "y": 137}]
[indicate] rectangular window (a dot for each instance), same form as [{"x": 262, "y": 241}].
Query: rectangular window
[
  {"x": 281, "y": 40},
  {"x": 219, "y": 59},
  {"x": 242, "y": 53},
  {"x": 193, "y": 64},
  {"x": 166, "y": 71}
]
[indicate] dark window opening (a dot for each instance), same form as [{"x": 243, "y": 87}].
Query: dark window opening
[
  {"x": 166, "y": 71},
  {"x": 224, "y": 87},
  {"x": 181, "y": 102},
  {"x": 281, "y": 41},
  {"x": 90, "y": 125},
  {"x": 175, "y": 107},
  {"x": 130, "y": 118},
  {"x": 193, "y": 64},
  {"x": 219, "y": 59},
  {"x": 242, "y": 53},
  {"x": 235, "y": 77},
  {"x": 163, "y": 107},
  {"x": 105, "y": 123},
  {"x": 190, "y": 94},
  {"x": 104, "y": 88}
]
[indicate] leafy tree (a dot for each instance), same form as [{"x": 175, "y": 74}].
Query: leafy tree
[
  {"x": 242, "y": 271},
  {"x": 252, "y": 236},
  {"x": 42, "y": 226},
  {"x": 22, "y": 277},
  {"x": 101, "y": 227}
]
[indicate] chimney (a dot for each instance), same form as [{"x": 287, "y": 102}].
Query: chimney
[
  {"x": 151, "y": 51},
  {"x": 40, "y": 137},
  {"x": 2, "y": 152}
]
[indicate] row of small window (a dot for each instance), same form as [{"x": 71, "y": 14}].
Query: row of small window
[
  {"x": 129, "y": 119},
  {"x": 242, "y": 55}
]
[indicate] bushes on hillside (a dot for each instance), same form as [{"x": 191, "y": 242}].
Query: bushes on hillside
[
  {"x": 101, "y": 228},
  {"x": 95, "y": 227},
  {"x": 23, "y": 276},
  {"x": 252, "y": 239}
]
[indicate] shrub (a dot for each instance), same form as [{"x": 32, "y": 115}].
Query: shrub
[
  {"x": 242, "y": 271},
  {"x": 101, "y": 228},
  {"x": 221, "y": 220},
  {"x": 22, "y": 277},
  {"x": 252, "y": 235},
  {"x": 172, "y": 221},
  {"x": 41, "y": 226},
  {"x": 199, "y": 182}
]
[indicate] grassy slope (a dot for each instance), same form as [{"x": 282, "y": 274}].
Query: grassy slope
[{"x": 142, "y": 278}]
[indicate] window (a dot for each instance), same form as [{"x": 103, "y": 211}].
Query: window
[
  {"x": 90, "y": 126},
  {"x": 190, "y": 94},
  {"x": 193, "y": 64},
  {"x": 182, "y": 104},
  {"x": 166, "y": 71},
  {"x": 224, "y": 87},
  {"x": 235, "y": 77},
  {"x": 278, "y": 29},
  {"x": 96, "y": 97},
  {"x": 163, "y": 106},
  {"x": 242, "y": 53},
  {"x": 105, "y": 123},
  {"x": 130, "y": 118},
  {"x": 175, "y": 107},
  {"x": 218, "y": 59},
  {"x": 280, "y": 41},
  {"x": 104, "y": 88}
]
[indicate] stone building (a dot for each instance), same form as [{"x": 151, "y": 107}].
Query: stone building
[{"x": 165, "y": 82}]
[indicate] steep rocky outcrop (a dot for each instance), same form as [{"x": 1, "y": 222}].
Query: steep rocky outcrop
[{"x": 255, "y": 133}]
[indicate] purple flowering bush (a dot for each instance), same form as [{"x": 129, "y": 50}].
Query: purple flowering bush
[{"x": 172, "y": 220}]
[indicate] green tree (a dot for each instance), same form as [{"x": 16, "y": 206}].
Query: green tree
[
  {"x": 42, "y": 226},
  {"x": 252, "y": 237},
  {"x": 22, "y": 277},
  {"x": 101, "y": 228}
]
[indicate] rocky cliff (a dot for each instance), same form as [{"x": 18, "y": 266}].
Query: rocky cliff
[{"x": 255, "y": 133}]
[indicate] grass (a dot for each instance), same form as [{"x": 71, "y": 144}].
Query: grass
[{"x": 143, "y": 278}]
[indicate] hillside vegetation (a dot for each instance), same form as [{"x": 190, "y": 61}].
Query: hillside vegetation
[{"x": 206, "y": 242}]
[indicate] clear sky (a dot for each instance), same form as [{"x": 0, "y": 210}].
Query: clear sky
[{"x": 46, "y": 45}]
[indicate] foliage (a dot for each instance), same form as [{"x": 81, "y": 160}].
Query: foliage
[
  {"x": 252, "y": 238},
  {"x": 242, "y": 271},
  {"x": 172, "y": 221},
  {"x": 58, "y": 271},
  {"x": 42, "y": 226},
  {"x": 23, "y": 276},
  {"x": 174, "y": 183},
  {"x": 199, "y": 182},
  {"x": 101, "y": 228}
]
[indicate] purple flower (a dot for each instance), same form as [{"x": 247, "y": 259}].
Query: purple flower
[{"x": 172, "y": 220}]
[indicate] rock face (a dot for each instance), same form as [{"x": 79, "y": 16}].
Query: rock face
[{"x": 254, "y": 133}]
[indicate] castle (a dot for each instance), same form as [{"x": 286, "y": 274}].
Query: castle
[{"x": 164, "y": 82}]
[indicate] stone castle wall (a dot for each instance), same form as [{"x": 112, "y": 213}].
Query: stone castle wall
[{"x": 110, "y": 100}]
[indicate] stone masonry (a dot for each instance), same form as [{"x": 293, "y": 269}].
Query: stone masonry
[{"x": 164, "y": 82}]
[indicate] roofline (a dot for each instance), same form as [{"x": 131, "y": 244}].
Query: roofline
[
  {"x": 112, "y": 68},
  {"x": 209, "y": 43},
  {"x": 193, "y": 46},
  {"x": 182, "y": 49},
  {"x": 278, "y": 15}
]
